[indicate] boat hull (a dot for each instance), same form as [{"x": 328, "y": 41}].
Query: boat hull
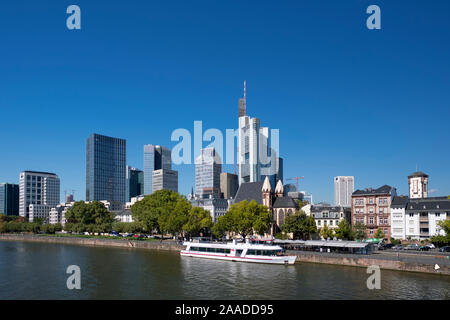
[{"x": 269, "y": 260}]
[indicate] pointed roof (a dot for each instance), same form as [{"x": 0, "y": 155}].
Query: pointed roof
[
  {"x": 279, "y": 188},
  {"x": 266, "y": 186}
]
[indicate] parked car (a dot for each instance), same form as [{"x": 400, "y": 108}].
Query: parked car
[
  {"x": 424, "y": 248},
  {"x": 126, "y": 235},
  {"x": 388, "y": 245},
  {"x": 413, "y": 246},
  {"x": 398, "y": 247},
  {"x": 445, "y": 249},
  {"x": 431, "y": 246}
]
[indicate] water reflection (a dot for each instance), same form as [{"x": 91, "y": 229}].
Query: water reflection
[{"x": 114, "y": 273}]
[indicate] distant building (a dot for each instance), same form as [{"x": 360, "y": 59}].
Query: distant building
[
  {"x": 123, "y": 215},
  {"x": 165, "y": 179},
  {"x": 9, "y": 199},
  {"x": 106, "y": 168},
  {"x": 58, "y": 213},
  {"x": 418, "y": 185},
  {"x": 208, "y": 167},
  {"x": 330, "y": 216},
  {"x": 69, "y": 198},
  {"x": 343, "y": 189},
  {"x": 155, "y": 158},
  {"x": 217, "y": 207},
  {"x": 135, "y": 182},
  {"x": 37, "y": 189},
  {"x": 228, "y": 185},
  {"x": 372, "y": 207}
]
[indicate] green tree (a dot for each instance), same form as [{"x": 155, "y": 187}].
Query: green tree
[
  {"x": 173, "y": 220},
  {"x": 198, "y": 221},
  {"x": 300, "y": 225},
  {"x": 152, "y": 207},
  {"x": 343, "y": 231},
  {"x": 244, "y": 218},
  {"x": 379, "y": 234},
  {"x": 359, "y": 231},
  {"x": 445, "y": 225},
  {"x": 326, "y": 232}
]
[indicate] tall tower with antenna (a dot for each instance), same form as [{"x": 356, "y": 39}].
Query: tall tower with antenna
[{"x": 243, "y": 102}]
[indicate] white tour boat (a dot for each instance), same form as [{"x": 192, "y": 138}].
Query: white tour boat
[{"x": 234, "y": 251}]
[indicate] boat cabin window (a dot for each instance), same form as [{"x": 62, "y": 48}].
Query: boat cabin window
[
  {"x": 214, "y": 250},
  {"x": 262, "y": 252}
]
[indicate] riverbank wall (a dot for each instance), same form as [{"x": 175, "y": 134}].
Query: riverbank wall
[
  {"x": 140, "y": 244},
  {"x": 302, "y": 257},
  {"x": 370, "y": 260}
]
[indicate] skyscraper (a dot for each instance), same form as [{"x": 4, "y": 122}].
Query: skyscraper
[
  {"x": 343, "y": 189},
  {"x": 208, "y": 167},
  {"x": 9, "y": 199},
  {"x": 228, "y": 184},
  {"x": 39, "y": 190},
  {"x": 106, "y": 169},
  {"x": 155, "y": 158},
  {"x": 165, "y": 179},
  {"x": 135, "y": 183}
]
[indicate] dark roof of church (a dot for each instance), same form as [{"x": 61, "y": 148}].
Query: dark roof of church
[
  {"x": 249, "y": 191},
  {"x": 284, "y": 202},
  {"x": 399, "y": 201}
]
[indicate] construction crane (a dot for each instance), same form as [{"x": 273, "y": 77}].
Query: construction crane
[{"x": 296, "y": 180}]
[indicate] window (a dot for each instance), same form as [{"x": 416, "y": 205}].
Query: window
[
  {"x": 318, "y": 222},
  {"x": 371, "y": 210},
  {"x": 438, "y": 214},
  {"x": 370, "y": 201},
  {"x": 381, "y": 210},
  {"x": 371, "y": 220},
  {"x": 371, "y": 231},
  {"x": 411, "y": 215}
]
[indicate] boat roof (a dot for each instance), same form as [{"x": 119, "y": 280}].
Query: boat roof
[
  {"x": 325, "y": 243},
  {"x": 231, "y": 245}
]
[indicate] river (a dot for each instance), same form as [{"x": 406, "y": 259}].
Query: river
[{"x": 38, "y": 271}]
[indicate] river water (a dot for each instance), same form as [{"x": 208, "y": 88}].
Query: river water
[{"x": 38, "y": 271}]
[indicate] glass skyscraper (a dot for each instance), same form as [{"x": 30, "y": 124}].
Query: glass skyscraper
[
  {"x": 155, "y": 158},
  {"x": 106, "y": 168},
  {"x": 208, "y": 167},
  {"x": 135, "y": 182},
  {"x": 9, "y": 199}
]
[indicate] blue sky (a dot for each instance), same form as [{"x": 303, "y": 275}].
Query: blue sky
[{"x": 347, "y": 100}]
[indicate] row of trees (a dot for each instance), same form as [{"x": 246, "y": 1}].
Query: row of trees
[{"x": 15, "y": 224}]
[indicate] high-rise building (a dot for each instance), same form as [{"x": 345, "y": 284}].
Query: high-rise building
[
  {"x": 106, "y": 169},
  {"x": 9, "y": 199},
  {"x": 229, "y": 185},
  {"x": 418, "y": 185},
  {"x": 155, "y": 158},
  {"x": 208, "y": 167},
  {"x": 343, "y": 189},
  {"x": 165, "y": 179},
  {"x": 40, "y": 190},
  {"x": 135, "y": 182},
  {"x": 256, "y": 159}
]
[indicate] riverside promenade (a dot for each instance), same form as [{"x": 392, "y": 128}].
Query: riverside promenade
[{"x": 423, "y": 262}]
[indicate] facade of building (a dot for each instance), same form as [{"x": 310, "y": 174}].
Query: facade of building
[
  {"x": 398, "y": 217},
  {"x": 9, "y": 199},
  {"x": 106, "y": 168},
  {"x": 329, "y": 216},
  {"x": 135, "y": 182},
  {"x": 343, "y": 189},
  {"x": 165, "y": 179},
  {"x": 39, "y": 211},
  {"x": 418, "y": 185},
  {"x": 123, "y": 215},
  {"x": 228, "y": 185},
  {"x": 39, "y": 189},
  {"x": 208, "y": 167},
  {"x": 423, "y": 215},
  {"x": 372, "y": 207},
  {"x": 155, "y": 158}
]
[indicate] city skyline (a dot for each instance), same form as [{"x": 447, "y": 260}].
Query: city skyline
[{"x": 370, "y": 78}]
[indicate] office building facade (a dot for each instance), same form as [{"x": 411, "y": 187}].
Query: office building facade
[
  {"x": 343, "y": 189},
  {"x": 155, "y": 158},
  {"x": 208, "y": 167},
  {"x": 37, "y": 189},
  {"x": 135, "y": 182},
  {"x": 9, "y": 199},
  {"x": 229, "y": 185},
  {"x": 165, "y": 179},
  {"x": 106, "y": 168}
]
